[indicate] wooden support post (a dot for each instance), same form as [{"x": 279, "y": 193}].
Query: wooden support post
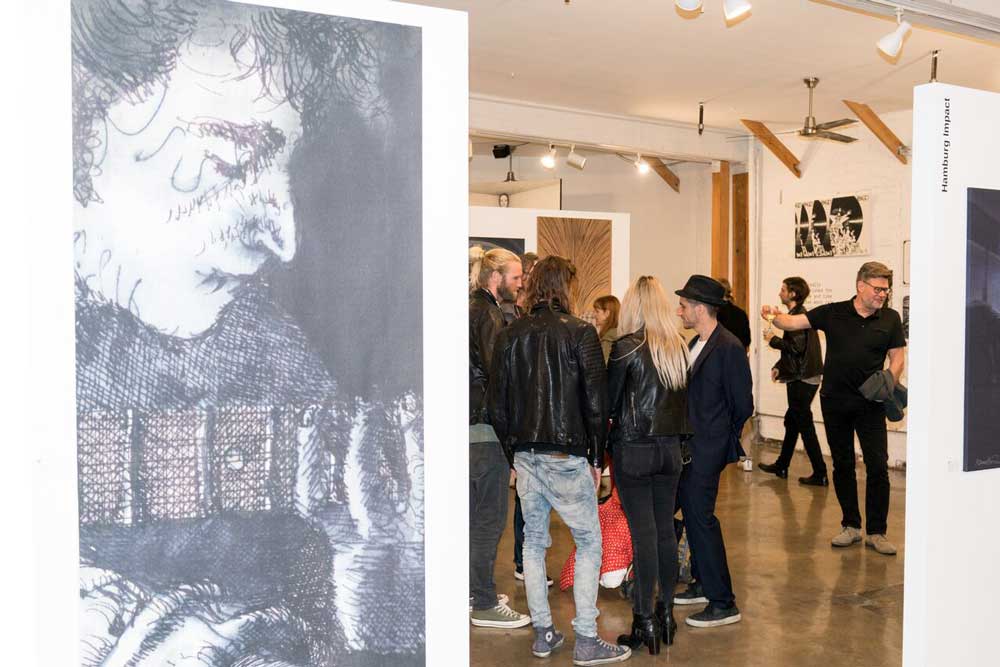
[
  {"x": 878, "y": 128},
  {"x": 664, "y": 171},
  {"x": 741, "y": 240},
  {"x": 774, "y": 145},
  {"x": 720, "y": 221}
]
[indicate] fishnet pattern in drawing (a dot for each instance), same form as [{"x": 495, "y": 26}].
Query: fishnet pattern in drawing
[
  {"x": 170, "y": 471},
  {"x": 241, "y": 450},
  {"x": 104, "y": 459}
]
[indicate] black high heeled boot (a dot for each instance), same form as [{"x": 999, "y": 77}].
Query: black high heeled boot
[
  {"x": 665, "y": 619},
  {"x": 645, "y": 631}
]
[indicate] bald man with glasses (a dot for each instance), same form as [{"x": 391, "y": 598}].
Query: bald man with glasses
[{"x": 860, "y": 333}]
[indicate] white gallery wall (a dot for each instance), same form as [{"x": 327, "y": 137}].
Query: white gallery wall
[
  {"x": 522, "y": 223},
  {"x": 952, "y": 541},
  {"x": 670, "y": 232},
  {"x": 829, "y": 169}
]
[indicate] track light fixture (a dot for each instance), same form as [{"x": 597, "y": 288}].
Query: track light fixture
[
  {"x": 892, "y": 43},
  {"x": 688, "y": 5},
  {"x": 701, "y": 118},
  {"x": 641, "y": 165},
  {"x": 575, "y": 160},
  {"x": 549, "y": 159},
  {"x": 734, "y": 9},
  {"x": 934, "y": 57}
]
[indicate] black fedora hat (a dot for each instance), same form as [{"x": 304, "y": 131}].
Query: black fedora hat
[{"x": 703, "y": 289}]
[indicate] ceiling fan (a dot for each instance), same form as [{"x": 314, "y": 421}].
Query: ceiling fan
[{"x": 812, "y": 130}]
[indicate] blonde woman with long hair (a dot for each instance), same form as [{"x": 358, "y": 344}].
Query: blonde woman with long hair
[{"x": 647, "y": 385}]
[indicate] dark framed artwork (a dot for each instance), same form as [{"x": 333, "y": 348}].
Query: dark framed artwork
[
  {"x": 835, "y": 227},
  {"x": 488, "y": 243},
  {"x": 982, "y": 331},
  {"x": 247, "y": 193}
]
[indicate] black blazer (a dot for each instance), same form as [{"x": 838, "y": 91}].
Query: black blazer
[
  {"x": 641, "y": 406},
  {"x": 485, "y": 322},
  {"x": 720, "y": 400}
]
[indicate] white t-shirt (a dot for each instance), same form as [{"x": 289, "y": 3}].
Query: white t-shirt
[{"x": 696, "y": 350}]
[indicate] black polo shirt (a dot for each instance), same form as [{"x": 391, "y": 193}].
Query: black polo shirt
[{"x": 856, "y": 346}]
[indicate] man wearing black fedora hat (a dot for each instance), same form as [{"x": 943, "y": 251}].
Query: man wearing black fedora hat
[{"x": 720, "y": 400}]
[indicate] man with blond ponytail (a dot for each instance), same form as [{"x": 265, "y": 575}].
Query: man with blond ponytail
[
  {"x": 493, "y": 276},
  {"x": 720, "y": 400}
]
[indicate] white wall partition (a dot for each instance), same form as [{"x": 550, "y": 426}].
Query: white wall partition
[
  {"x": 952, "y": 541},
  {"x": 522, "y": 223}
]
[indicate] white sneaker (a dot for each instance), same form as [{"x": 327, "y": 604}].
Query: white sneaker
[
  {"x": 519, "y": 575},
  {"x": 748, "y": 464},
  {"x": 846, "y": 537}
]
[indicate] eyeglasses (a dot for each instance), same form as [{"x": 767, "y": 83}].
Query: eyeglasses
[{"x": 878, "y": 290}]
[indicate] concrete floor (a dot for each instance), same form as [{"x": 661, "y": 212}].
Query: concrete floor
[{"x": 803, "y": 602}]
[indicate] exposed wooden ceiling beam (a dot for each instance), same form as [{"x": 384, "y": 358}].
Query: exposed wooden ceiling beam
[
  {"x": 665, "y": 173},
  {"x": 878, "y": 128},
  {"x": 774, "y": 145}
]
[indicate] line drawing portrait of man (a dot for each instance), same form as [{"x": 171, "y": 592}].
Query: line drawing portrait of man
[{"x": 248, "y": 326}]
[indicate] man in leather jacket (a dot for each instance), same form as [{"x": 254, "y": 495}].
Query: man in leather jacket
[
  {"x": 548, "y": 402},
  {"x": 799, "y": 368},
  {"x": 494, "y": 276}
]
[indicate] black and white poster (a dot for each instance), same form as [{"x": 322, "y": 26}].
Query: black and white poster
[
  {"x": 834, "y": 227},
  {"x": 982, "y": 331},
  {"x": 247, "y": 186},
  {"x": 488, "y": 243}
]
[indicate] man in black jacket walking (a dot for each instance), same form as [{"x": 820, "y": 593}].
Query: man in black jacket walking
[
  {"x": 548, "y": 401},
  {"x": 493, "y": 276},
  {"x": 720, "y": 400},
  {"x": 800, "y": 369}
]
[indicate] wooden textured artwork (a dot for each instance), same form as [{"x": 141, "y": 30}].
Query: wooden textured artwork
[{"x": 587, "y": 243}]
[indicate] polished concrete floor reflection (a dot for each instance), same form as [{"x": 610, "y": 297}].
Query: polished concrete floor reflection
[{"x": 803, "y": 602}]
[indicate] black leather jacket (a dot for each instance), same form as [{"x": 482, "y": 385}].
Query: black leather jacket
[
  {"x": 641, "y": 407},
  {"x": 548, "y": 385},
  {"x": 801, "y": 357},
  {"x": 485, "y": 322}
]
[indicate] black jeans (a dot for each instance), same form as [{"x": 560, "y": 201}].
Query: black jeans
[
  {"x": 518, "y": 533},
  {"x": 489, "y": 474},
  {"x": 697, "y": 493},
  {"x": 799, "y": 421},
  {"x": 646, "y": 474},
  {"x": 866, "y": 418}
]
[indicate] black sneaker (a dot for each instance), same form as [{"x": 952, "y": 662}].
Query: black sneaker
[
  {"x": 693, "y": 594},
  {"x": 712, "y": 617},
  {"x": 519, "y": 575}
]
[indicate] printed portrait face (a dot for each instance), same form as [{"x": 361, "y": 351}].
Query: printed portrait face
[{"x": 192, "y": 188}]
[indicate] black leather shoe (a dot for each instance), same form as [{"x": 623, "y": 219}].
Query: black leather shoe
[
  {"x": 645, "y": 631},
  {"x": 815, "y": 480},
  {"x": 774, "y": 469},
  {"x": 668, "y": 626}
]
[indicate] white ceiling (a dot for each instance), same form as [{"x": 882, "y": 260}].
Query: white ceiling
[{"x": 644, "y": 58}]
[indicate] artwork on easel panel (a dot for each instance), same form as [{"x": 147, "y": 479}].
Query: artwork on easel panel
[
  {"x": 982, "y": 331},
  {"x": 249, "y": 456},
  {"x": 835, "y": 227}
]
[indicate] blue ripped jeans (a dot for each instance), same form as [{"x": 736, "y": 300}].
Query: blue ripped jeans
[{"x": 564, "y": 484}]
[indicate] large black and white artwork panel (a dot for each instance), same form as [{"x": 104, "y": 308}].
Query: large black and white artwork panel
[
  {"x": 247, "y": 188},
  {"x": 982, "y": 331},
  {"x": 834, "y": 227}
]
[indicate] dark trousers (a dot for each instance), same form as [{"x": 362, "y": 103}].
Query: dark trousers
[
  {"x": 518, "y": 533},
  {"x": 489, "y": 474},
  {"x": 647, "y": 474},
  {"x": 697, "y": 493},
  {"x": 866, "y": 418},
  {"x": 799, "y": 421}
]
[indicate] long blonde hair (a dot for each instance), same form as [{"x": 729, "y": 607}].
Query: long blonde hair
[
  {"x": 645, "y": 305},
  {"x": 483, "y": 264}
]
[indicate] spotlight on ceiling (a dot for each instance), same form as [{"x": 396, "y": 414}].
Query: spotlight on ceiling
[
  {"x": 549, "y": 159},
  {"x": 892, "y": 43},
  {"x": 501, "y": 151},
  {"x": 641, "y": 165},
  {"x": 688, "y": 5},
  {"x": 734, "y": 9},
  {"x": 575, "y": 160}
]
